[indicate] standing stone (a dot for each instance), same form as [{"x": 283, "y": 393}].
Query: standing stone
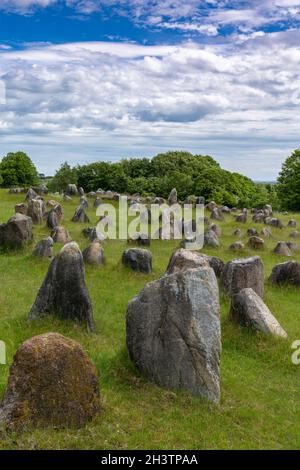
[
  {"x": 237, "y": 233},
  {"x": 295, "y": 234},
  {"x": 211, "y": 206},
  {"x": 17, "y": 232},
  {"x": 293, "y": 246},
  {"x": 292, "y": 223},
  {"x": 172, "y": 199},
  {"x": 215, "y": 228},
  {"x": 52, "y": 220},
  {"x": 52, "y": 383},
  {"x": 97, "y": 202},
  {"x": 80, "y": 216},
  {"x": 173, "y": 332},
  {"x": 138, "y": 259},
  {"x": 241, "y": 273},
  {"x": 256, "y": 243},
  {"x": 251, "y": 232},
  {"x": 183, "y": 259},
  {"x": 81, "y": 191},
  {"x": 248, "y": 309},
  {"x": 286, "y": 273},
  {"x": 216, "y": 214},
  {"x": 274, "y": 222},
  {"x": 44, "y": 248},
  {"x": 60, "y": 235},
  {"x": 84, "y": 202},
  {"x": 64, "y": 292},
  {"x": 211, "y": 239},
  {"x": 36, "y": 210},
  {"x": 237, "y": 246},
  {"x": 266, "y": 232},
  {"x": 71, "y": 190},
  {"x": 94, "y": 254},
  {"x": 242, "y": 218},
  {"x": 31, "y": 194},
  {"x": 282, "y": 249},
  {"x": 21, "y": 208}
]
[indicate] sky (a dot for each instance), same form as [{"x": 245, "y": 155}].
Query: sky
[{"x": 88, "y": 80}]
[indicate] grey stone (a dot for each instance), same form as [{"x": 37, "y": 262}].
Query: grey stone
[
  {"x": 172, "y": 199},
  {"x": 138, "y": 259},
  {"x": 80, "y": 216},
  {"x": 44, "y": 248},
  {"x": 286, "y": 273},
  {"x": 241, "y": 273},
  {"x": 282, "y": 249},
  {"x": 173, "y": 332},
  {"x": 60, "y": 235},
  {"x": 63, "y": 291},
  {"x": 36, "y": 210},
  {"x": 248, "y": 309},
  {"x": 94, "y": 254},
  {"x": 17, "y": 232}
]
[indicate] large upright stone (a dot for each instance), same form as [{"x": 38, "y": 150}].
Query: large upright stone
[
  {"x": 17, "y": 232},
  {"x": 248, "y": 309},
  {"x": 241, "y": 273},
  {"x": 172, "y": 199},
  {"x": 64, "y": 292},
  {"x": 31, "y": 194},
  {"x": 52, "y": 383},
  {"x": 173, "y": 332},
  {"x": 36, "y": 210},
  {"x": 138, "y": 259},
  {"x": 44, "y": 248},
  {"x": 60, "y": 235},
  {"x": 286, "y": 273},
  {"x": 71, "y": 190},
  {"x": 80, "y": 216},
  {"x": 183, "y": 259}
]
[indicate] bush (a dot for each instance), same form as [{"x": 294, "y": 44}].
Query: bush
[{"x": 17, "y": 169}]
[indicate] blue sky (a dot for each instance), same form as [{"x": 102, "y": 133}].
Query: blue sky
[{"x": 84, "y": 80}]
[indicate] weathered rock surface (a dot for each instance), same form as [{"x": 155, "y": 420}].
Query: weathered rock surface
[
  {"x": 94, "y": 254},
  {"x": 31, "y": 194},
  {"x": 256, "y": 243},
  {"x": 52, "y": 383},
  {"x": 80, "y": 216},
  {"x": 292, "y": 223},
  {"x": 173, "y": 332},
  {"x": 237, "y": 246},
  {"x": 71, "y": 190},
  {"x": 52, "y": 220},
  {"x": 282, "y": 249},
  {"x": 211, "y": 239},
  {"x": 241, "y": 273},
  {"x": 237, "y": 233},
  {"x": 138, "y": 259},
  {"x": 286, "y": 273},
  {"x": 248, "y": 309},
  {"x": 36, "y": 210},
  {"x": 17, "y": 232},
  {"x": 44, "y": 248},
  {"x": 84, "y": 202},
  {"x": 64, "y": 292},
  {"x": 216, "y": 214},
  {"x": 183, "y": 259},
  {"x": 21, "y": 208},
  {"x": 172, "y": 199},
  {"x": 266, "y": 232},
  {"x": 60, "y": 235}
]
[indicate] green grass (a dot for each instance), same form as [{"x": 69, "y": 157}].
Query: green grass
[{"x": 260, "y": 386}]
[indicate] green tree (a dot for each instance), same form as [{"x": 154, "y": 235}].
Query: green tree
[
  {"x": 64, "y": 176},
  {"x": 17, "y": 169},
  {"x": 289, "y": 182}
]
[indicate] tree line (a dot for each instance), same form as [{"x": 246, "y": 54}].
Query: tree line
[{"x": 191, "y": 175}]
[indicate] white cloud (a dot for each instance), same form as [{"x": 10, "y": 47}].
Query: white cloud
[{"x": 91, "y": 100}]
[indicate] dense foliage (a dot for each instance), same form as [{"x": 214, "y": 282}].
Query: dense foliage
[
  {"x": 64, "y": 176},
  {"x": 289, "y": 182},
  {"x": 17, "y": 169},
  {"x": 189, "y": 174}
]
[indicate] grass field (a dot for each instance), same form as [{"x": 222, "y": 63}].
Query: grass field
[{"x": 260, "y": 404}]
